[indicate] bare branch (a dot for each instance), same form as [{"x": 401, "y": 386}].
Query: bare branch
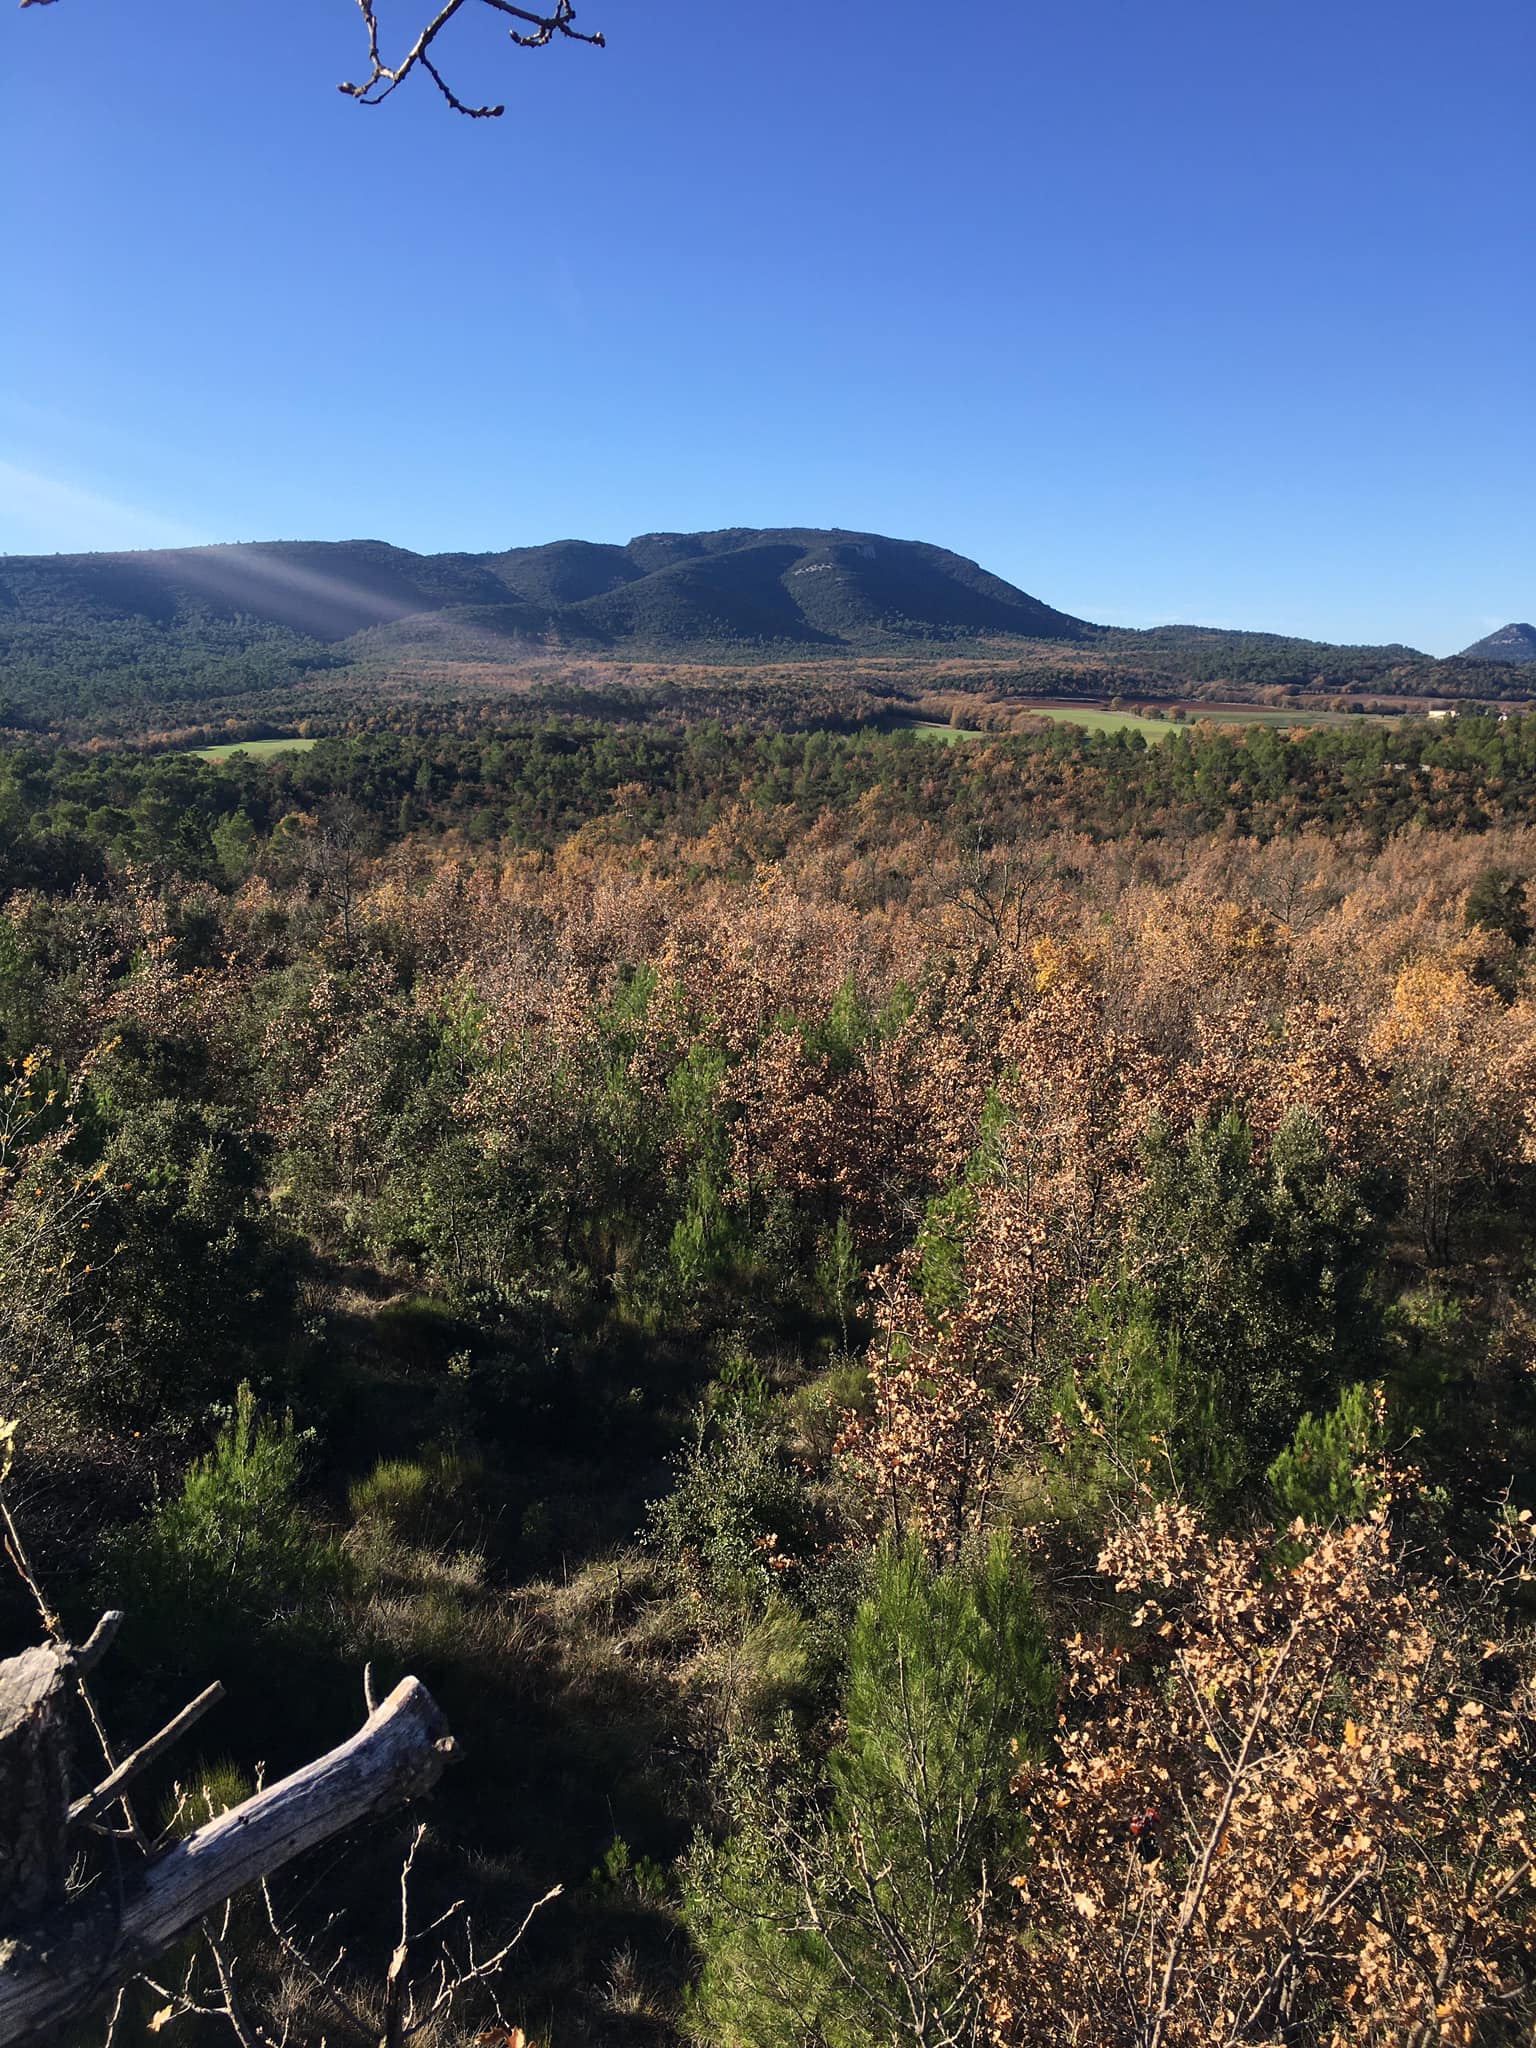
[
  {"x": 91, "y": 1805},
  {"x": 383, "y": 78},
  {"x": 541, "y": 30}
]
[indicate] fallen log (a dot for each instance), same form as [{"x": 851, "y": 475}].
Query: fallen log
[{"x": 63, "y": 1964}]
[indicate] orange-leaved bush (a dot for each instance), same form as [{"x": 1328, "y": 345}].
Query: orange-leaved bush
[{"x": 1291, "y": 1805}]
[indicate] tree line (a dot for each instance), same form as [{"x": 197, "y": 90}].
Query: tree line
[{"x": 533, "y": 784}]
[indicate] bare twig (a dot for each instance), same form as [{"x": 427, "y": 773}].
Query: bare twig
[
  {"x": 540, "y": 31},
  {"x": 383, "y": 78},
  {"x": 91, "y": 1805}
]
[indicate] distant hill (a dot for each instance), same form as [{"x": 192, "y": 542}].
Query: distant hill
[
  {"x": 785, "y": 587},
  {"x": 1514, "y": 643},
  {"x": 115, "y": 643}
]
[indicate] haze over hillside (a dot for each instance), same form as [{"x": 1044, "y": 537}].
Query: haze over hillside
[
  {"x": 113, "y": 643},
  {"x": 789, "y": 586}
]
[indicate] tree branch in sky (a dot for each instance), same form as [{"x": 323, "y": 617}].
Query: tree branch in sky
[{"x": 382, "y": 78}]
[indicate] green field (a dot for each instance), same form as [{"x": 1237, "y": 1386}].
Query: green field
[
  {"x": 259, "y": 749},
  {"x": 1085, "y": 715},
  {"x": 1103, "y": 721},
  {"x": 929, "y": 729},
  {"x": 1094, "y": 718},
  {"x": 1215, "y": 714}
]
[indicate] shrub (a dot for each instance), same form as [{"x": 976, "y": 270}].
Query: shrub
[
  {"x": 1293, "y": 1808},
  {"x": 732, "y": 1524},
  {"x": 1257, "y": 1263},
  {"x": 1325, "y": 1476},
  {"x": 846, "y": 1912},
  {"x": 232, "y": 1555},
  {"x": 430, "y": 1500},
  {"x": 1134, "y": 1415},
  {"x": 1496, "y": 903},
  {"x": 625, "y": 1878},
  {"x": 199, "y": 1281}
]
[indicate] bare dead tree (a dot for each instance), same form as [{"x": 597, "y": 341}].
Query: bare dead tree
[
  {"x": 68, "y": 1940},
  {"x": 337, "y": 861},
  {"x": 1002, "y": 887},
  {"x": 537, "y": 33}
]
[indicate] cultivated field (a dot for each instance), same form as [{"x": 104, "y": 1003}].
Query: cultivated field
[
  {"x": 260, "y": 749},
  {"x": 1099, "y": 718}
]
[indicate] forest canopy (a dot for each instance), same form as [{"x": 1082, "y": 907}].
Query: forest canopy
[{"x": 928, "y": 1347}]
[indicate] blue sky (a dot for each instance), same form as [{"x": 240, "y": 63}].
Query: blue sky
[{"x": 1214, "y": 312}]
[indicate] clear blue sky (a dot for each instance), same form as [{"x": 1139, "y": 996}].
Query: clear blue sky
[{"x": 1216, "y": 312}]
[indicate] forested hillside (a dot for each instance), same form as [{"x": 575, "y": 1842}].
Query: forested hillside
[
  {"x": 928, "y": 1348},
  {"x": 1513, "y": 643},
  {"x": 137, "y": 643}
]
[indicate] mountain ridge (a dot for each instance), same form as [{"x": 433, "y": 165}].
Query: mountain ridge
[
  {"x": 817, "y": 587},
  {"x": 133, "y": 639}
]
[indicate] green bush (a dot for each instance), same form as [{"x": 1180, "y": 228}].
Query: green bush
[
  {"x": 627, "y": 1879},
  {"x": 1496, "y": 902},
  {"x": 1131, "y": 1414},
  {"x": 199, "y": 1282},
  {"x": 1325, "y": 1475},
  {"x": 430, "y": 1500},
  {"x": 419, "y": 1330},
  {"x": 843, "y": 1911},
  {"x": 818, "y": 1410},
  {"x": 1247, "y": 1295},
  {"x": 738, "y": 1504},
  {"x": 232, "y": 1556}
]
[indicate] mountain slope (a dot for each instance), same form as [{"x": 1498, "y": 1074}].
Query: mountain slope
[
  {"x": 129, "y": 642},
  {"x": 794, "y": 586},
  {"x": 1513, "y": 643}
]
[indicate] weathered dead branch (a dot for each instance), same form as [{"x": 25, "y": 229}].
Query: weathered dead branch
[
  {"x": 93, "y": 1803},
  {"x": 65, "y": 1960}
]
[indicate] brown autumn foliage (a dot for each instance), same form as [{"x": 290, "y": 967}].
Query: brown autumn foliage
[
  {"x": 1286, "y": 1800},
  {"x": 1290, "y": 1800}
]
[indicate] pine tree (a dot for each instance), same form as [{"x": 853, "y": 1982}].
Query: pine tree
[{"x": 847, "y": 1911}]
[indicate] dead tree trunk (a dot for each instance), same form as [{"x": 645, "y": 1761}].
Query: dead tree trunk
[
  {"x": 34, "y": 1783},
  {"x": 57, "y": 1960},
  {"x": 34, "y": 1770}
]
